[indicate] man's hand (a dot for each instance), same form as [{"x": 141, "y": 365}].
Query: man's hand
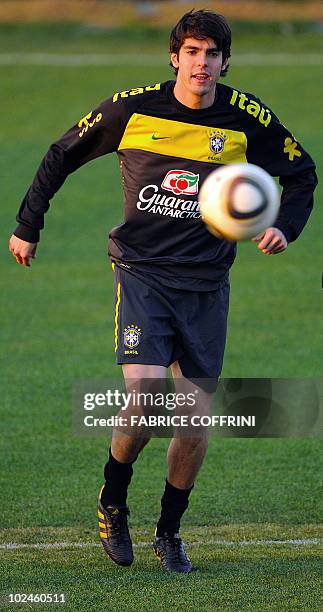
[
  {"x": 22, "y": 250},
  {"x": 271, "y": 241}
]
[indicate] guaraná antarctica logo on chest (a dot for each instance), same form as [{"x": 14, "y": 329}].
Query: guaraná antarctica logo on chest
[
  {"x": 179, "y": 183},
  {"x": 131, "y": 338}
]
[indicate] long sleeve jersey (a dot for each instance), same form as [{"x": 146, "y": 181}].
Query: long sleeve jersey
[{"x": 165, "y": 151}]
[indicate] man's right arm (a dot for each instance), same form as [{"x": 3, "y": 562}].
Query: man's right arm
[{"x": 96, "y": 134}]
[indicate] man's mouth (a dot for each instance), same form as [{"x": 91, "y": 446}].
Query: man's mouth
[{"x": 201, "y": 77}]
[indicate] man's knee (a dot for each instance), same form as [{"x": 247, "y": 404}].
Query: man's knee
[{"x": 126, "y": 448}]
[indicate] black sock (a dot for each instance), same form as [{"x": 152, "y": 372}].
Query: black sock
[
  {"x": 173, "y": 505},
  {"x": 117, "y": 479}
]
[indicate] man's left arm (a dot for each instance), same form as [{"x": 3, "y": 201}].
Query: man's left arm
[{"x": 276, "y": 150}]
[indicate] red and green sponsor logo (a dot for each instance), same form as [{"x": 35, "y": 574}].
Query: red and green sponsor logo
[{"x": 180, "y": 182}]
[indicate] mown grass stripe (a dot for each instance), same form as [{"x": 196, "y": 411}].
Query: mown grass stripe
[
  {"x": 101, "y": 59},
  {"x": 54, "y": 545}
]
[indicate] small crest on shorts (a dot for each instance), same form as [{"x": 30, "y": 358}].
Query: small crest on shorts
[{"x": 131, "y": 336}]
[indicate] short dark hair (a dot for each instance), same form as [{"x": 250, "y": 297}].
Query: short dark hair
[{"x": 202, "y": 24}]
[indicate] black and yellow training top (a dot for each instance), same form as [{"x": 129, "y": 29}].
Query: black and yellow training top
[{"x": 165, "y": 151}]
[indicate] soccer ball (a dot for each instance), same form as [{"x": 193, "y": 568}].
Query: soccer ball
[{"x": 238, "y": 201}]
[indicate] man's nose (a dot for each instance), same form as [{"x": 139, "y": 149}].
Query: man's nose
[{"x": 203, "y": 60}]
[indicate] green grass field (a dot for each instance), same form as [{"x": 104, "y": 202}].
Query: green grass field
[{"x": 57, "y": 326}]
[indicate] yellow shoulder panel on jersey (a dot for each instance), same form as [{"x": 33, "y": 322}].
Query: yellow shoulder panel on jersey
[
  {"x": 135, "y": 91},
  {"x": 184, "y": 140}
]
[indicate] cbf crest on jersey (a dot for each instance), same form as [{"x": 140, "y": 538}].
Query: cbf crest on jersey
[
  {"x": 217, "y": 141},
  {"x": 131, "y": 336}
]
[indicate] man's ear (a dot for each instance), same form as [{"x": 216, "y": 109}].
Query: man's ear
[
  {"x": 174, "y": 60},
  {"x": 225, "y": 63}
]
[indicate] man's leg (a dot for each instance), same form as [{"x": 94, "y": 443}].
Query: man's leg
[
  {"x": 118, "y": 470},
  {"x": 184, "y": 459},
  {"x": 125, "y": 448},
  {"x": 185, "y": 455}
]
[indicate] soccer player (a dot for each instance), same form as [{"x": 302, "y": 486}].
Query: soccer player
[{"x": 171, "y": 274}]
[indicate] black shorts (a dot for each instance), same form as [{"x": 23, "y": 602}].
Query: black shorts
[{"x": 158, "y": 325}]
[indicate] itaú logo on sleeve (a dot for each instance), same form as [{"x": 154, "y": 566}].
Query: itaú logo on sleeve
[{"x": 181, "y": 182}]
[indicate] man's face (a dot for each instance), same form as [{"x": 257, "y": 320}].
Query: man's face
[{"x": 199, "y": 66}]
